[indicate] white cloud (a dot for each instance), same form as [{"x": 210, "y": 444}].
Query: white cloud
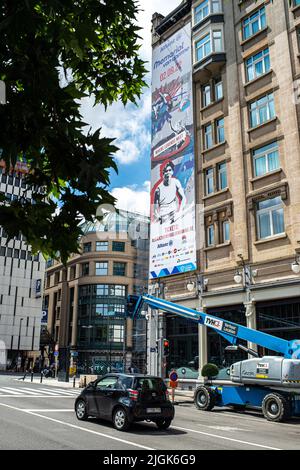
[
  {"x": 133, "y": 198},
  {"x": 130, "y": 124}
]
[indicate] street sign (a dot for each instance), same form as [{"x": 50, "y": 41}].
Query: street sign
[
  {"x": 173, "y": 376},
  {"x": 55, "y": 353},
  {"x": 74, "y": 353}
]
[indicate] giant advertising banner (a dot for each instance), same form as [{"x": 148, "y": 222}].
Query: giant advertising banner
[{"x": 173, "y": 244}]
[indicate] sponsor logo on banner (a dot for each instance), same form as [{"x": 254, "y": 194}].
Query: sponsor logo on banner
[
  {"x": 214, "y": 323},
  {"x": 172, "y": 156}
]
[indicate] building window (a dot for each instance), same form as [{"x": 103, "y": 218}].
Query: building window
[
  {"x": 266, "y": 159},
  {"x": 102, "y": 269},
  {"x": 262, "y": 110},
  {"x": 201, "y": 11},
  {"x": 212, "y": 92},
  {"x": 206, "y": 95},
  {"x": 116, "y": 333},
  {"x": 254, "y": 23},
  {"x": 2, "y": 251},
  {"x": 118, "y": 246},
  {"x": 56, "y": 278},
  {"x": 258, "y": 64},
  {"x": 270, "y": 218},
  {"x": 222, "y": 176},
  {"x": 217, "y": 41},
  {"x": 101, "y": 246},
  {"x": 205, "y": 9},
  {"x": 208, "y": 136},
  {"x": 85, "y": 269},
  {"x": 209, "y": 181},
  {"x": 87, "y": 247},
  {"x": 220, "y": 130},
  {"x": 225, "y": 231},
  {"x": 210, "y": 235},
  {"x": 119, "y": 269},
  {"x": 203, "y": 47},
  {"x": 218, "y": 89}
]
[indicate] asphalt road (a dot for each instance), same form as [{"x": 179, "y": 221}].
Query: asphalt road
[{"x": 37, "y": 417}]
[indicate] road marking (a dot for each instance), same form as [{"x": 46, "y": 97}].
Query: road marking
[
  {"x": 227, "y": 428},
  {"x": 134, "y": 444},
  {"x": 57, "y": 390},
  {"x": 42, "y": 391},
  {"x": 48, "y": 411},
  {"x": 9, "y": 390},
  {"x": 225, "y": 438},
  {"x": 35, "y": 396}
]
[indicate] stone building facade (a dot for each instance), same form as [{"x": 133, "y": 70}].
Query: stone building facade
[{"x": 246, "y": 70}]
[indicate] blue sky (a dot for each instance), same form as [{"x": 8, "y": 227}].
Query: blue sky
[{"x": 131, "y": 125}]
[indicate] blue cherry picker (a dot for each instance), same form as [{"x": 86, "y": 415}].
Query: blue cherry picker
[{"x": 271, "y": 383}]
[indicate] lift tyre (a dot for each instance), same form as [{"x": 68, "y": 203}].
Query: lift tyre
[
  {"x": 204, "y": 399},
  {"x": 276, "y": 407}
]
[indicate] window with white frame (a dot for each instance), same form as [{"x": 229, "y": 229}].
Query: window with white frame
[
  {"x": 208, "y": 44},
  {"x": 208, "y": 136},
  {"x": 265, "y": 159},
  {"x": 210, "y": 235},
  {"x": 254, "y": 23},
  {"x": 203, "y": 47},
  {"x": 101, "y": 246},
  {"x": 270, "y": 218},
  {"x": 217, "y": 41},
  {"x": 222, "y": 176},
  {"x": 206, "y": 8},
  {"x": 212, "y": 92},
  {"x": 102, "y": 269},
  {"x": 209, "y": 181},
  {"x": 220, "y": 130},
  {"x": 225, "y": 231},
  {"x": 206, "y": 95},
  {"x": 218, "y": 89},
  {"x": 201, "y": 11},
  {"x": 258, "y": 64},
  {"x": 262, "y": 110}
]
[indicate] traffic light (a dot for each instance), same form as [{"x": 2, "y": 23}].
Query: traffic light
[{"x": 166, "y": 350}]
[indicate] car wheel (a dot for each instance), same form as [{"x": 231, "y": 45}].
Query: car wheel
[
  {"x": 163, "y": 423},
  {"x": 120, "y": 419},
  {"x": 204, "y": 399},
  {"x": 81, "y": 411},
  {"x": 276, "y": 407}
]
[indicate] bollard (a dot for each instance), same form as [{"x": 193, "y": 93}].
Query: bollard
[
  {"x": 74, "y": 379},
  {"x": 41, "y": 380},
  {"x": 31, "y": 376},
  {"x": 84, "y": 381}
]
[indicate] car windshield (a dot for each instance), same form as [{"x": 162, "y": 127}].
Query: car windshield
[{"x": 151, "y": 384}]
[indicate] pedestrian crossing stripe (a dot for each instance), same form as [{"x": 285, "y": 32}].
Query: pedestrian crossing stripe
[{"x": 39, "y": 392}]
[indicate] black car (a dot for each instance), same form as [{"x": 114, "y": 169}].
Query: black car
[{"x": 125, "y": 398}]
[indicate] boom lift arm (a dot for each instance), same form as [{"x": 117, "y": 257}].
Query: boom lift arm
[{"x": 232, "y": 332}]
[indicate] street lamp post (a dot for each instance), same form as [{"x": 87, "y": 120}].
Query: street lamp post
[
  {"x": 199, "y": 286},
  {"x": 246, "y": 278}
]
